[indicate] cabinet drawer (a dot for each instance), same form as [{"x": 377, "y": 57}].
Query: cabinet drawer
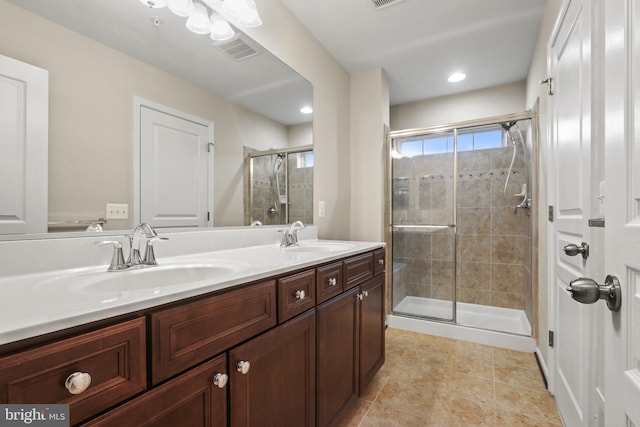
[
  {"x": 114, "y": 357},
  {"x": 358, "y": 269},
  {"x": 188, "y": 334},
  {"x": 296, "y": 293},
  {"x": 378, "y": 261},
  {"x": 328, "y": 281},
  {"x": 190, "y": 400}
]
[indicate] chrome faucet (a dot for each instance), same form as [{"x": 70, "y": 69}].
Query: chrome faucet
[
  {"x": 134, "y": 260},
  {"x": 290, "y": 235}
]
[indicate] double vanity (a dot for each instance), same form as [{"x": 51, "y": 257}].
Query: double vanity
[{"x": 229, "y": 329}]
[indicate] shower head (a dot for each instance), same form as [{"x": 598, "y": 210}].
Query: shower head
[{"x": 508, "y": 125}]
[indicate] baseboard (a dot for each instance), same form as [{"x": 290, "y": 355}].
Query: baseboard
[{"x": 543, "y": 367}]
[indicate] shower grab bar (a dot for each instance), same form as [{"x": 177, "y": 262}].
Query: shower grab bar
[{"x": 424, "y": 227}]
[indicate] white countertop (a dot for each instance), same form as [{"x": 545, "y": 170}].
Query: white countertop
[{"x": 38, "y": 303}]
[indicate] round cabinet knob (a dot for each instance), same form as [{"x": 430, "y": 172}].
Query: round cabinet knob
[
  {"x": 77, "y": 382},
  {"x": 333, "y": 281},
  {"x": 243, "y": 367},
  {"x": 300, "y": 294},
  {"x": 220, "y": 380}
]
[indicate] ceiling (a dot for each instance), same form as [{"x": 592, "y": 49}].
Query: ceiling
[
  {"x": 419, "y": 43},
  {"x": 261, "y": 82}
]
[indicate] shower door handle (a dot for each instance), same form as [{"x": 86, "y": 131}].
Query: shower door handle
[
  {"x": 587, "y": 291},
  {"x": 573, "y": 250}
]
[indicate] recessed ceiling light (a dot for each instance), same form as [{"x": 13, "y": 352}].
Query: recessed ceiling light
[
  {"x": 457, "y": 77},
  {"x": 306, "y": 110}
]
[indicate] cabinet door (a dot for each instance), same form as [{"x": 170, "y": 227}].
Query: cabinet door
[
  {"x": 279, "y": 387},
  {"x": 371, "y": 329},
  {"x": 337, "y": 356},
  {"x": 191, "y": 399}
]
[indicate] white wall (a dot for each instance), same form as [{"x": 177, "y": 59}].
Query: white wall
[
  {"x": 494, "y": 101},
  {"x": 299, "y": 135},
  {"x": 538, "y": 72},
  {"x": 369, "y": 115},
  {"x": 284, "y": 36}
]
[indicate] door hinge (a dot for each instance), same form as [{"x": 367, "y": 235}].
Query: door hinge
[
  {"x": 550, "y": 213},
  {"x": 551, "y": 339},
  {"x": 208, "y": 216},
  {"x": 548, "y": 81},
  {"x": 209, "y": 147}
]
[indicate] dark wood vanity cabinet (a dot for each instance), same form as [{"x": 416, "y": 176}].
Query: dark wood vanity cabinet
[
  {"x": 292, "y": 350},
  {"x": 191, "y": 333},
  {"x": 277, "y": 387},
  {"x": 193, "y": 399},
  {"x": 371, "y": 330},
  {"x": 114, "y": 357},
  {"x": 350, "y": 345},
  {"x": 337, "y": 356}
]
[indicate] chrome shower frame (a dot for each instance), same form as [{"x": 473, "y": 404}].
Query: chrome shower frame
[{"x": 453, "y": 127}]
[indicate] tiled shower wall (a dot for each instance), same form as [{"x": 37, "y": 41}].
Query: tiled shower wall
[
  {"x": 298, "y": 195},
  {"x": 493, "y": 243}
]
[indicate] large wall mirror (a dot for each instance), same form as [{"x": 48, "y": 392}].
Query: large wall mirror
[{"x": 100, "y": 55}]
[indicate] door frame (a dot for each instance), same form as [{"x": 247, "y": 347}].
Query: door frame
[{"x": 140, "y": 102}]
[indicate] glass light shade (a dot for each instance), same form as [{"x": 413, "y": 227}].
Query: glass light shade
[
  {"x": 198, "y": 21},
  {"x": 220, "y": 28},
  {"x": 248, "y": 15},
  {"x": 233, "y": 8},
  {"x": 155, "y": 4},
  {"x": 180, "y": 7}
]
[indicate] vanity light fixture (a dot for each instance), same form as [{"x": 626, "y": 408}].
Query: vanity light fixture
[
  {"x": 306, "y": 110},
  {"x": 182, "y": 8},
  {"x": 198, "y": 21},
  {"x": 220, "y": 28},
  {"x": 212, "y": 16},
  {"x": 457, "y": 77}
]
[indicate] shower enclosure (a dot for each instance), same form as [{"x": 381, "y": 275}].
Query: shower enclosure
[
  {"x": 280, "y": 189},
  {"x": 461, "y": 231}
]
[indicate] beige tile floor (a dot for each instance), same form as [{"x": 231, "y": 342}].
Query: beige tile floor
[{"x": 430, "y": 381}]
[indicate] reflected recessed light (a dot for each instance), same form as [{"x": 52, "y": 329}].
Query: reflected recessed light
[
  {"x": 155, "y": 4},
  {"x": 457, "y": 77},
  {"x": 306, "y": 110}
]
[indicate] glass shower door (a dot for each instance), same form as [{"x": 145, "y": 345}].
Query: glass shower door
[{"x": 423, "y": 227}]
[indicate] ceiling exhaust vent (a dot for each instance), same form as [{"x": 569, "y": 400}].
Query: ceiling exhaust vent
[
  {"x": 381, "y": 4},
  {"x": 238, "y": 49}
]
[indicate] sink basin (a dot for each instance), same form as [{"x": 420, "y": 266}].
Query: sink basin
[
  {"x": 148, "y": 278},
  {"x": 321, "y": 247}
]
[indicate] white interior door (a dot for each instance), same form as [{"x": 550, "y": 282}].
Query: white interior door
[
  {"x": 622, "y": 209},
  {"x": 24, "y": 136},
  {"x": 175, "y": 169},
  {"x": 570, "y": 195}
]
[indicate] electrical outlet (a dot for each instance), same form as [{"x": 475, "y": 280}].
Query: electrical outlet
[
  {"x": 117, "y": 211},
  {"x": 321, "y": 209}
]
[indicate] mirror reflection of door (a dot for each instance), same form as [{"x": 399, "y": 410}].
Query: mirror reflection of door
[
  {"x": 24, "y": 101},
  {"x": 175, "y": 169}
]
